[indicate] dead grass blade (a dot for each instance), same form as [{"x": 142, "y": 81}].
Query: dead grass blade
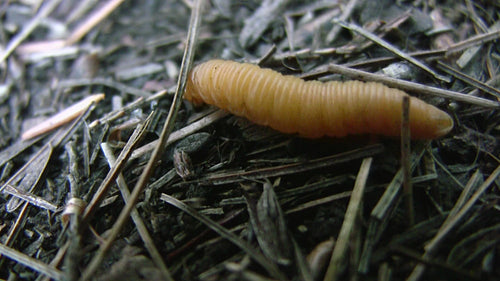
[
  {"x": 181, "y": 133},
  {"x": 391, "y": 48},
  {"x": 351, "y": 222},
  {"x": 92, "y": 20},
  {"x": 260, "y": 20},
  {"x": 411, "y": 86},
  {"x": 15, "y": 149},
  {"x": 379, "y": 217},
  {"x": 453, "y": 222},
  {"x": 349, "y": 8},
  {"x": 31, "y": 262},
  {"x": 27, "y": 197},
  {"x": 231, "y": 177},
  {"x": 167, "y": 128},
  {"x": 114, "y": 172},
  {"x": 31, "y": 168},
  {"x": 29, "y": 28},
  {"x": 271, "y": 268},
  {"x": 141, "y": 227},
  {"x": 62, "y": 117},
  {"x": 469, "y": 80},
  {"x": 26, "y": 180},
  {"x": 29, "y": 175},
  {"x": 473, "y": 41},
  {"x": 432, "y": 246}
]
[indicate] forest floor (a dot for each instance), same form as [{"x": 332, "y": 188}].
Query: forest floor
[{"x": 92, "y": 116}]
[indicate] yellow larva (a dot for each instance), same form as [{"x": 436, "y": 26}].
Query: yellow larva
[{"x": 311, "y": 108}]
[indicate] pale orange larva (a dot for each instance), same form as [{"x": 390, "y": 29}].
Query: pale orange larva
[{"x": 311, "y": 108}]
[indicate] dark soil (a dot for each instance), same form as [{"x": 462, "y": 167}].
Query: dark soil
[{"x": 280, "y": 200}]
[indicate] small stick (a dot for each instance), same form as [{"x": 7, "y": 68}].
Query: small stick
[
  {"x": 30, "y": 262},
  {"x": 271, "y": 267},
  {"x": 28, "y": 28},
  {"x": 411, "y": 86},
  {"x": 136, "y": 217},
  {"x": 469, "y": 80},
  {"x": 29, "y": 197},
  {"x": 92, "y": 21},
  {"x": 181, "y": 133},
  {"x": 391, "y": 48},
  {"x": 473, "y": 41},
  {"x": 460, "y": 213},
  {"x": 433, "y": 245},
  {"x": 62, "y": 117},
  {"x": 349, "y": 8},
  {"x": 352, "y": 214},
  {"x": 167, "y": 129}
]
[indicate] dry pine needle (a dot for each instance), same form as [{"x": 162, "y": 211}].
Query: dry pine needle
[{"x": 62, "y": 117}]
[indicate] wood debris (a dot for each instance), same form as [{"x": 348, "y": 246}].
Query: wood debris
[{"x": 356, "y": 208}]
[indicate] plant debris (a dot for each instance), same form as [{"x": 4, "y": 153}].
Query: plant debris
[{"x": 196, "y": 181}]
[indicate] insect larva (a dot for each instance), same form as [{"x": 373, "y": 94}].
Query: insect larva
[{"x": 311, "y": 108}]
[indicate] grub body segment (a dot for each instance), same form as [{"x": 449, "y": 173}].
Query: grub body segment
[{"x": 311, "y": 108}]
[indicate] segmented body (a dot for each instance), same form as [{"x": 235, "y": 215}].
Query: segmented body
[{"x": 311, "y": 108}]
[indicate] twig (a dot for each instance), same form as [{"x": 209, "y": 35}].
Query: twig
[
  {"x": 337, "y": 260},
  {"x": 332, "y": 35},
  {"x": 15, "y": 228},
  {"x": 251, "y": 251},
  {"x": 181, "y": 133},
  {"x": 224, "y": 178},
  {"x": 80, "y": 9},
  {"x": 141, "y": 227},
  {"x": 113, "y": 115},
  {"x": 54, "y": 49},
  {"x": 62, "y": 117},
  {"x": 469, "y": 80},
  {"x": 494, "y": 81},
  {"x": 374, "y": 62},
  {"x": 391, "y": 48},
  {"x": 30, "y": 262},
  {"x": 92, "y": 21},
  {"x": 167, "y": 128},
  {"x": 453, "y": 222},
  {"x": 410, "y": 86},
  {"x": 473, "y": 41},
  {"x": 126, "y": 89},
  {"x": 432, "y": 246},
  {"x": 320, "y": 201},
  {"x": 28, "y": 28}
]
